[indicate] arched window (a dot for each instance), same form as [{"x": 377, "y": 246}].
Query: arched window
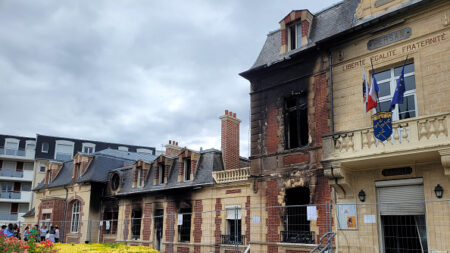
[{"x": 75, "y": 216}]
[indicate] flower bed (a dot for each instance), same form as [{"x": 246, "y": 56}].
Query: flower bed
[
  {"x": 102, "y": 247},
  {"x": 12, "y": 244}
]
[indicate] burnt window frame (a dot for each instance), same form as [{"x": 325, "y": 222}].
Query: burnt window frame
[
  {"x": 301, "y": 111},
  {"x": 187, "y": 170},
  {"x": 184, "y": 230}
]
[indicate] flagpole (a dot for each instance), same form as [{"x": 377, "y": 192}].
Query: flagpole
[{"x": 373, "y": 77}]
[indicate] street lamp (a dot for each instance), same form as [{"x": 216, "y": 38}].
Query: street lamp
[
  {"x": 439, "y": 191},
  {"x": 362, "y": 196}
]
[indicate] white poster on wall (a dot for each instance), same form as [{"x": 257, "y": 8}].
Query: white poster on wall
[
  {"x": 180, "y": 219},
  {"x": 369, "y": 218},
  {"x": 311, "y": 212}
]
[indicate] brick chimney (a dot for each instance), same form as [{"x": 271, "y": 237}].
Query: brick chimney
[
  {"x": 230, "y": 140},
  {"x": 172, "y": 149}
]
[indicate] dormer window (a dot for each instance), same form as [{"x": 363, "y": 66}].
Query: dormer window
[
  {"x": 139, "y": 176},
  {"x": 187, "y": 169},
  {"x": 295, "y": 35},
  {"x": 161, "y": 173},
  {"x": 88, "y": 148}
]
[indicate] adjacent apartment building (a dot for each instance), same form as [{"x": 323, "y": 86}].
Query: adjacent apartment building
[{"x": 16, "y": 176}]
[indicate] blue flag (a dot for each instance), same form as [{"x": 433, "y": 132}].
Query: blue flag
[{"x": 400, "y": 89}]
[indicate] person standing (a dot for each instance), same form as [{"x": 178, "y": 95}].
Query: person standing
[
  {"x": 9, "y": 232},
  {"x": 56, "y": 233},
  {"x": 51, "y": 233},
  {"x": 44, "y": 231},
  {"x": 26, "y": 234},
  {"x": 2, "y": 230},
  {"x": 35, "y": 233}
]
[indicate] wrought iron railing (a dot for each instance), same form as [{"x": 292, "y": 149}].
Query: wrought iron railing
[
  {"x": 233, "y": 239},
  {"x": 297, "y": 237}
]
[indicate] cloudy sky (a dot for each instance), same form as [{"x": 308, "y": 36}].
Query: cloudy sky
[{"x": 133, "y": 72}]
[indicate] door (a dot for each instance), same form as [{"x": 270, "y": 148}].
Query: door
[
  {"x": 402, "y": 214},
  {"x": 159, "y": 218}
]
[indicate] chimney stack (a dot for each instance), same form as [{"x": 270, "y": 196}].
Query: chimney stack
[
  {"x": 172, "y": 149},
  {"x": 230, "y": 140}
]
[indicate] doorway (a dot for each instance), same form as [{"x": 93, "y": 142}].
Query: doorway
[
  {"x": 159, "y": 219},
  {"x": 297, "y": 226},
  {"x": 136, "y": 220},
  {"x": 401, "y": 207}
]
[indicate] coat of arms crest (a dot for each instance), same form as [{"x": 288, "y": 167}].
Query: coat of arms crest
[{"x": 382, "y": 125}]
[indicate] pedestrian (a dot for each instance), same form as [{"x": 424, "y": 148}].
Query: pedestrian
[
  {"x": 16, "y": 231},
  {"x": 26, "y": 234},
  {"x": 35, "y": 234},
  {"x": 51, "y": 233},
  {"x": 56, "y": 233},
  {"x": 44, "y": 231},
  {"x": 9, "y": 232},
  {"x": 2, "y": 230}
]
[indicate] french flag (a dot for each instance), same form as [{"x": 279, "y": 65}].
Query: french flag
[{"x": 372, "y": 98}]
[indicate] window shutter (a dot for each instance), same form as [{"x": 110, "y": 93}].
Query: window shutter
[
  {"x": 234, "y": 213},
  {"x": 413, "y": 195}
]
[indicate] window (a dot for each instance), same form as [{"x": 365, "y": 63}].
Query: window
[
  {"x": 136, "y": 220},
  {"x": 234, "y": 226},
  {"x": 46, "y": 216},
  {"x": 110, "y": 218},
  {"x": 296, "y": 224},
  {"x": 115, "y": 182},
  {"x": 11, "y": 146},
  {"x": 30, "y": 145},
  {"x": 187, "y": 169},
  {"x": 296, "y": 121},
  {"x": 184, "y": 224},
  {"x": 75, "y": 217},
  {"x": 139, "y": 176},
  {"x": 88, "y": 148},
  {"x": 44, "y": 147},
  {"x": 64, "y": 150},
  {"x": 387, "y": 83},
  {"x": 42, "y": 168},
  {"x": 14, "y": 208},
  {"x": 7, "y": 187},
  {"x": 123, "y": 148},
  {"x": 295, "y": 36},
  {"x": 161, "y": 174}
]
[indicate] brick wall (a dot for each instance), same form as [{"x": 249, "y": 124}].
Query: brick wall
[
  {"x": 273, "y": 216},
  {"x": 230, "y": 140},
  {"x": 170, "y": 225},
  {"x": 198, "y": 209},
  {"x": 247, "y": 220},
  {"x": 71, "y": 237},
  {"x": 321, "y": 111},
  {"x": 322, "y": 194},
  {"x": 147, "y": 221},
  {"x": 218, "y": 223},
  {"x": 294, "y": 159}
]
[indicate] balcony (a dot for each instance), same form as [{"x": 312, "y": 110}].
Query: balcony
[
  {"x": 13, "y": 218},
  {"x": 297, "y": 237},
  {"x": 417, "y": 138},
  {"x": 17, "y": 153},
  {"x": 20, "y": 176},
  {"x": 228, "y": 176},
  {"x": 15, "y": 197},
  {"x": 233, "y": 240},
  {"x": 63, "y": 157}
]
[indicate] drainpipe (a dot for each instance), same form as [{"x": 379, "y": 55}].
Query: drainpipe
[{"x": 62, "y": 231}]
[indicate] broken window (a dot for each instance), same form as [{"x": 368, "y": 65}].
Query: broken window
[
  {"x": 187, "y": 169},
  {"x": 297, "y": 227},
  {"x": 139, "y": 176},
  {"x": 158, "y": 221},
  {"x": 184, "y": 224},
  {"x": 136, "y": 218},
  {"x": 161, "y": 174},
  {"x": 296, "y": 121},
  {"x": 110, "y": 217}
]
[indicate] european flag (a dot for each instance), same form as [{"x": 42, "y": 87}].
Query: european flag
[{"x": 400, "y": 90}]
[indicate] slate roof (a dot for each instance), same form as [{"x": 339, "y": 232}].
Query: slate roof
[
  {"x": 337, "y": 19},
  {"x": 210, "y": 160},
  {"x": 30, "y": 213},
  {"x": 102, "y": 163}
]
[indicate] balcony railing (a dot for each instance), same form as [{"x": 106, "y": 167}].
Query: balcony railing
[
  {"x": 8, "y": 217},
  {"x": 424, "y": 132},
  {"x": 13, "y": 152},
  {"x": 11, "y": 173},
  {"x": 297, "y": 237},
  {"x": 233, "y": 240},
  {"x": 226, "y": 176},
  {"x": 63, "y": 157},
  {"x": 10, "y": 195}
]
